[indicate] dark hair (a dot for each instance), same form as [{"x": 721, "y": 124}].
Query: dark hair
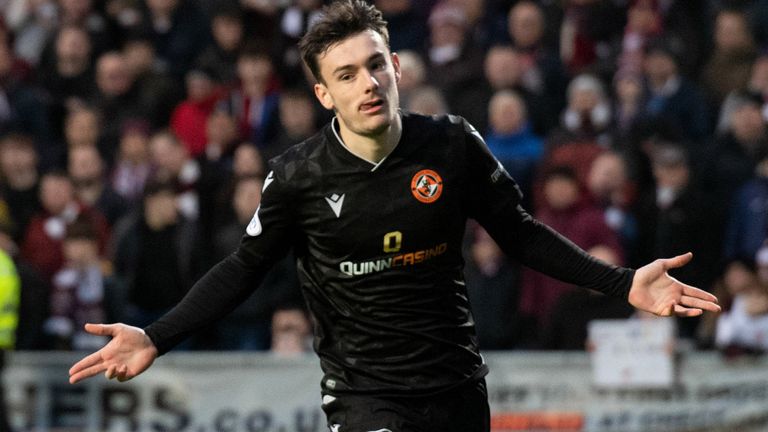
[
  {"x": 18, "y": 140},
  {"x": 82, "y": 228},
  {"x": 340, "y": 20},
  {"x": 561, "y": 172},
  {"x": 155, "y": 186}
]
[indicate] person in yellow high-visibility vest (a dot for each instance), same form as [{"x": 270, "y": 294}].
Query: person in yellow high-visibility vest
[{"x": 10, "y": 294}]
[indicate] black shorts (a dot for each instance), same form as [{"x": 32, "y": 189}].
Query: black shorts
[{"x": 463, "y": 409}]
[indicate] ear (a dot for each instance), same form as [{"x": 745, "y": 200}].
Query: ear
[
  {"x": 396, "y": 65},
  {"x": 322, "y": 95}
]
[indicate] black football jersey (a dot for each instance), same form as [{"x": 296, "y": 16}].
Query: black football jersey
[{"x": 378, "y": 250}]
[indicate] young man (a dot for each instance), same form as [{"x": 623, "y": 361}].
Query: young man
[{"x": 374, "y": 207}]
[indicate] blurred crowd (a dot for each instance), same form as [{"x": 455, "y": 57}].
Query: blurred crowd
[{"x": 135, "y": 136}]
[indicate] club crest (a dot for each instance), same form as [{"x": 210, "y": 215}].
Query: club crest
[{"x": 426, "y": 186}]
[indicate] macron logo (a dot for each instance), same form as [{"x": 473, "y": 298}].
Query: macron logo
[{"x": 335, "y": 201}]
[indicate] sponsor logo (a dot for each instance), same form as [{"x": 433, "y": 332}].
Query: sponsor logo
[
  {"x": 268, "y": 181},
  {"x": 426, "y": 186},
  {"x": 335, "y": 201},
  {"x": 407, "y": 259},
  {"x": 254, "y": 227}
]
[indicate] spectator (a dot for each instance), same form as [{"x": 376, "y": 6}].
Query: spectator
[
  {"x": 587, "y": 116},
  {"x": 33, "y": 301},
  {"x": 511, "y": 140},
  {"x": 220, "y": 56},
  {"x": 427, "y": 100},
  {"x": 744, "y": 328},
  {"x": 627, "y": 105},
  {"x": 156, "y": 255},
  {"x": 178, "y": 30},
  {"x": 83, "y": 14},
  {"x": 68, "y": 78},
  {"x": 413, "y": 73},
  {"x": 172, "y": 163},
  {"x": 293, "y": 22},
  {"x": 297, "y": 122},
  {"x": 291, "y": 332},
  {"x": 493, "y": 286},
  {"x": 566, "y": 210},
  {"x": 156, "y": 92},
  {"x": 748, "y": 215},
  {"x": 587, "y": 30},
  {"x": 248, "y": 161},
  {"x": 255, "y": 101},
  {"x": 504, "y": 70},
  {"x": 32, "y": 25},
  {"x": 215, "y": 169},
  {"x": 80, "y": 292},
  {"x": 739, "y": 276},
  {"x": 730, "y": 64},
  {"x": 82, "y": 128},
  {"x": 757, "y": 87},
  {"x": 87, "y": 170},
  {"x": 671, "y": 99},
  {"x": 22, "y": 108},
  {"x": 610, "y": 188},
  {"x": 188, "y": 120},
  {"x": 132, "y": 166},
  {"x": 732, "y": 159},
  {"x": 453, "y": 59},
  {"x": 673, "y": 218},
  {"x": 116, "y": 98},
  {"x": 42, "y": 244},
  {"x": 407, "y": 29},
  {"x": 541, "y": 65},
  {"x": 644, "y": 23},
  {"x": 20, "y": 177}
]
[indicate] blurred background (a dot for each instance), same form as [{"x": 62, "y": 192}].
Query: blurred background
[{"x": 135, "y": 136}]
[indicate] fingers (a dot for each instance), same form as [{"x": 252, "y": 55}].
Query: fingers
[
  {"x": 683, "y": 311},
  {"x": 87, "y": 363},
  {"x": 117, "y": 371},
  {"x": 84, "y": 373},
  {"x": 101, "y": 329},
  {"x": 678, "y": 261},
  {"x": 698, "y": 293},
  {"x": 698, "y": 303},
  {"x": 111, "y": 372}
]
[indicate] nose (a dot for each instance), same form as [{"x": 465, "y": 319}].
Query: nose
[{"x": 371, "y": 83}]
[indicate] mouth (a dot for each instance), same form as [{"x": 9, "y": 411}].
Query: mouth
[{"x": 372, "y": 106}]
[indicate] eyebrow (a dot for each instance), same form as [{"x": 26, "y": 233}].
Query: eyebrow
[{"x": 347, "y": 67}]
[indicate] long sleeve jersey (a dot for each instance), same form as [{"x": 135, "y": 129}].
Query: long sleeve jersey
[{"x": 379, "y": 255}]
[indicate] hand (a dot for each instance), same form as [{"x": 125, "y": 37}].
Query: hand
[
  {"x": 129, "y": 353},
  {"x": 654, "y": 290}
]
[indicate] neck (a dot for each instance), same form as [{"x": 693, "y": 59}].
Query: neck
[{"x": 373, "y": 148}]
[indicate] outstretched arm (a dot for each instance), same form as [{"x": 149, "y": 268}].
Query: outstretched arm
[
  {"x": 654, "y": 290},
  {"x": 129, "y": 353}
]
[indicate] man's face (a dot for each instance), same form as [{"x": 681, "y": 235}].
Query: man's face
[
  {"x": 55, "y": 194},
  {"x": 503, "y": 68},
  {"x": 112, "y": 75},
  {"x": 525, "y": 24},
  {"x": 359, "y": 79},
  {"x": 84, "y": 164}
]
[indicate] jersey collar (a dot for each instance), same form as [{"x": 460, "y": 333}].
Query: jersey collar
[{"x": 373, "y": 165}]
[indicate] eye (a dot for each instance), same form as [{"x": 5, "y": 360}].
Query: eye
[
  {"x": 345, "y": 77},
  {"x": 379, "y": 65}
]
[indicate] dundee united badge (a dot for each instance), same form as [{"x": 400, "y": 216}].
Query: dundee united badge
[{"x": 426, "y": 186}]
